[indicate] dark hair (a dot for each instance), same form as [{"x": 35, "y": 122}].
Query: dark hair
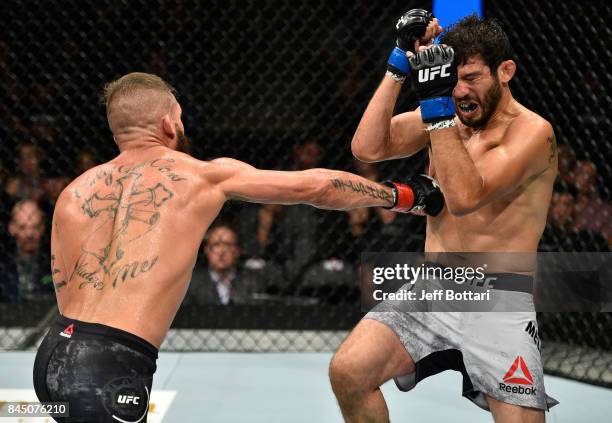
[
  {"x": 222, "y": 224},
  {"x": 473, "y": 35},
  {"x": 29, "y": 144}
]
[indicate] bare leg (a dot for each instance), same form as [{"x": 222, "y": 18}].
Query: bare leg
[
  {"x": 510, "y": 413},
  {"x": 371, "y": 355}
]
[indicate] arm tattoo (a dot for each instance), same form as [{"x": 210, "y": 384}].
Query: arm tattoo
[
  {"x": 552, "y": 142},
  {"x": 363, "y": 189}
]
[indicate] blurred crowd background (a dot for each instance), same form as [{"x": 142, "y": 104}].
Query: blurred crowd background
[{"x": 280, "y": 85}]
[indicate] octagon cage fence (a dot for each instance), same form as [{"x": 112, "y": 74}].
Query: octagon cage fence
[{"x": 282, "y": 85}]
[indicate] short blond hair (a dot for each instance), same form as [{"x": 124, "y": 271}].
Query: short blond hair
[{"x": 137, "y": 99}]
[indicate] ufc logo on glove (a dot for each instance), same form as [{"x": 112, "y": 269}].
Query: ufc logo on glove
[{"x": 429, "y": 74}]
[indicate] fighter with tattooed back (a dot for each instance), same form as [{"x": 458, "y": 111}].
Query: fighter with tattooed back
[
  {"x": 125, "y": 238},
  {"x": 495, "y": 162}
]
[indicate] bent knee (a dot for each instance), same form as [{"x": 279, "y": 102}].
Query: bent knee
[
  {"x": 340, "y": 368},
  {"x": 345, "y": 373},
  {"x": 351, "y": 376}
]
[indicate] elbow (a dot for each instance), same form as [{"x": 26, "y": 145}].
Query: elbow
[
  {"x": 362, "y": 154},
  {"x": 321, "y": 190},
  {"x": 316, "y": 191},
  {"x": 460, "y": 203},
  {"x": 460, "y": 206}
]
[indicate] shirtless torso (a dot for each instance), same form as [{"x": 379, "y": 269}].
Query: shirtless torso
[
  {"x": 124, "y": 241},
  {"x": 514, "y": 221},
  {"x": 126, "y": 234},
  {"x": 496, "y": 163}
]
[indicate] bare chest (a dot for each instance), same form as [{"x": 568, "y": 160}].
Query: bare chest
[{"x": 477, "y": 144}]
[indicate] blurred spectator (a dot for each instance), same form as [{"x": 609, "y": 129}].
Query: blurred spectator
[
  {"x": 11, "y": 126},
  {"x": 331, "y": 281},
  {"x": 298, "y": 240},
  {"x": 43, "y": 123},
  {"x": 363, "y": 233},
  {"x": 591, "y": 211},
  {"x": 27, "y": 182},
  {"x": 43, "y": 128},
  {"x": 266, "y": 215},
  {"x": 567, "y": 163},
  {"x": 223, "y": 280},
  {"x": 5, "y": 210},
  {"x": 367, "y": 170},
  {"x": 400, "y": 232},
  {"x": 54, "y": 187},
  {"x": 26, "y": 270},
  {"x": 307, "y": 155},
  {"x": 86, "y": 159},
  {"x": 355, "y": 231},
  {"x": 562, "y": 234},
  {"x": 334, "y": 279},
  {"x": 287, "y": 235}
]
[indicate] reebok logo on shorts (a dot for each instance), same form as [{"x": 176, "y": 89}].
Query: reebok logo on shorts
[
  {"x": 67, "y": 333},
  {"x": 518, "y": 374}
]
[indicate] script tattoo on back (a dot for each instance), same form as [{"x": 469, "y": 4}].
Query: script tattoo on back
[{"x": 127, "y": 207}]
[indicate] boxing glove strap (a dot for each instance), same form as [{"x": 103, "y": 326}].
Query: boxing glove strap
[
  {"x": 398, "y": 62},
  {"x": 441, "y": 124},
  {"x": 436, "y": 109},
  {"x": 403, "y": 196}
]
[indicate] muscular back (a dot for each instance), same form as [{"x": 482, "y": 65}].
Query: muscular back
[
  {"x": 125, "y": 234},
  {"x": 125, "y": 239}
]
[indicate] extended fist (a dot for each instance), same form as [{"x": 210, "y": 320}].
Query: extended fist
[{"x": 420, "y": 195}]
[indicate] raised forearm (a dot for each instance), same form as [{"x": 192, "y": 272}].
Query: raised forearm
[
  {"x": 456, "y": 172},
  {"x": 372, "y": 138}
]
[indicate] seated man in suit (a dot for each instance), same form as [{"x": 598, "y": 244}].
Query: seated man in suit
[
  {"x": 25, "y": 270},
  {"x": 223, "y": 280}
]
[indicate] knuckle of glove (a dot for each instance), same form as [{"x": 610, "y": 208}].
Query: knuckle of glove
[
  {"x": 411, "y": 26},
  {"x": 439, "y": 55},
  {"x": 430, "y": 55},
  {"x": 448, "y": 54},
  {"x": 431, "y": 196},
  {"x": 416, "y": 61}
]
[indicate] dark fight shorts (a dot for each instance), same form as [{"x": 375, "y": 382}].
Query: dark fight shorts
[{"x": 105, "y": 374}]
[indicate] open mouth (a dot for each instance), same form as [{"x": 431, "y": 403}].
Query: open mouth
[{"x": 467, "y": 107}]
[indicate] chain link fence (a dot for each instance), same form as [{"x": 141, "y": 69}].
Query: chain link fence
[{"x": 283, "y": 85}]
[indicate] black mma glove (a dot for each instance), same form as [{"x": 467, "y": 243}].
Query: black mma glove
[
  {"x": 410, "y": 27},
  {"x": 435, "y": 76},
  {"x": 421, "y": 194}
]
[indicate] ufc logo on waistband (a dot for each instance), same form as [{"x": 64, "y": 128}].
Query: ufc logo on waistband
[
  {"x": 127, "y": 399},
  {"x": 429, "y": 74}
]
